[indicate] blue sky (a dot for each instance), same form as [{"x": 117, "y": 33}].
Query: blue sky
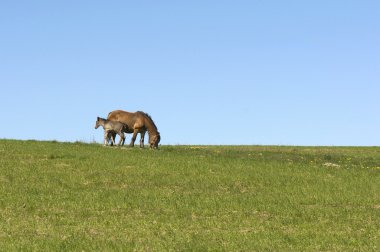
[{"x": 208, "y": 72}]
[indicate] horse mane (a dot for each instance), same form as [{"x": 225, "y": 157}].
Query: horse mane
[{"x": 149, "y": 118}]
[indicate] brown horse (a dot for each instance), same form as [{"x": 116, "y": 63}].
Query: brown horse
[{"x": 138, "y": 122}]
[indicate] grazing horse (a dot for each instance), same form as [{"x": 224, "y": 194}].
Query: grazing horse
[
  {"x": 138, "y": 122},
  {"x": 111, "y": 128}
]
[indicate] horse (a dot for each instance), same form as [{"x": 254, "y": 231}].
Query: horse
[
  {"x": 138, "y": 122},
  {"x": 111, "y": 128}
]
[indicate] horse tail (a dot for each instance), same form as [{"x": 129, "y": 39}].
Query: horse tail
[
  {"x": 109, "y": 114},
  {"x": 114, "y": 115}
]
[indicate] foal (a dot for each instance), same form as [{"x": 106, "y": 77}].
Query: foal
[{"x": 112, "y": 127}]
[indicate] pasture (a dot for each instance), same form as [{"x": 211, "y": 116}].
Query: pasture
[{"x": 86, "y": 197}]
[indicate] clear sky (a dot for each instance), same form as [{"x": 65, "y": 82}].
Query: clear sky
[{"x": 278, "y": 72}]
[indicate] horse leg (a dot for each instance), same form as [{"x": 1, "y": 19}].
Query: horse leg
[
  {"x": 112, "y": 137},
  {"x": 109, "y": 138},
  {"x": 142, "y": 136},
  {"x": 105, "y": 138},
  {"x": 122, "y": 138},
  {"x": 135, "y": 131}
]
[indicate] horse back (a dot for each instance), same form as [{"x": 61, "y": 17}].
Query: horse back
[{"x": 122, "y": 116}]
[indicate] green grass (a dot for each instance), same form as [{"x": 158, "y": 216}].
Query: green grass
[{"x": 84, "y": 197}]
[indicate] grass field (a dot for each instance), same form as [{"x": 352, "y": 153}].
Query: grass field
[{"x": 86, "y": 197}]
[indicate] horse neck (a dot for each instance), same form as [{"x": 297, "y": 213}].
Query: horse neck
[
  {"x": 152, "y": 129},
  {"x": 102, "y": 122}
]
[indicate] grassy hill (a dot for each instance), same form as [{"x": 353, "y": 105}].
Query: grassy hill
[{"x": 73, "y": 197}]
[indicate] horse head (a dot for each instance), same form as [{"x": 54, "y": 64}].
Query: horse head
[
  {"x": 97, "y": 124},
  {"x": 154, "y": 140}
]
